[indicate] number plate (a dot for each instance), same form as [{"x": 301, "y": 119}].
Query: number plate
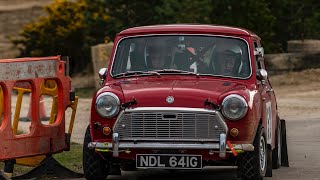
[{"x": 169, "y": 161}]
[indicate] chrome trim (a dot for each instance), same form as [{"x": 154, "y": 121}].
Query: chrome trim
[
  {"x": 168, "y": 145},
  {"x": 115, "y": 144},
  {"x": 166, "y": 140},
  {"x": 209, "y": 35},
  {"x": 170, "y": 109},
  {"x": 170, "y": 99},
  {"x": 147, "y": 109},
  {"x": 234, "y": 96},
  {"x": 222, "y": 145},
  {"x": 108, "y": 94}
]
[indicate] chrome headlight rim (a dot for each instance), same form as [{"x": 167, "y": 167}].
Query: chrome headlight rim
[
  {"x": 241, "y": 99},
  {"x": 117, "y": 102}
]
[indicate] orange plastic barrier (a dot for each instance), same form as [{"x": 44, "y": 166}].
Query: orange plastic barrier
[{"x": 43, "y": 139}]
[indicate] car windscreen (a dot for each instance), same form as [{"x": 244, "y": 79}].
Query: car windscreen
[{"x": 184, "y": 54}]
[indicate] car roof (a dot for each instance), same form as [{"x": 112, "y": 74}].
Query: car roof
[{"x": 187, "y": 28}]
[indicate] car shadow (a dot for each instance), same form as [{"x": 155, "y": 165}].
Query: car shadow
[{"x": 208, "y": 173}]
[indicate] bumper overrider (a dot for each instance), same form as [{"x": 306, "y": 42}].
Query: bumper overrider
[{"x": 214, "y": 139}]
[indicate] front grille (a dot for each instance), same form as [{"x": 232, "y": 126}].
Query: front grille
[{"x": 170, "y": 125}]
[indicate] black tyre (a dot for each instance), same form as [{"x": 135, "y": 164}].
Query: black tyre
[
  {"x": 94, "y": 167},
  {"x": 253, "y": 165},
  {"x": 276, "y": 152}
]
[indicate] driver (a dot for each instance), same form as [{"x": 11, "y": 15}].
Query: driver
[
  {"x": 226, "y": 59},
  {"x": 228, "y": 63}
]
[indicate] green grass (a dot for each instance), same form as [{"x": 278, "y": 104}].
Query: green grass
[{"x": 71, "y": 159}]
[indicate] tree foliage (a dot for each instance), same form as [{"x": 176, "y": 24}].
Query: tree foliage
[
  {"x": 71, "y": 27},
  {"x": 250, "y": 14},
  {"x": 295, "y": 19}
]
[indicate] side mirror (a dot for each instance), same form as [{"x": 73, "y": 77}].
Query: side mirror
[
  {"x": 103, "y": 74},
  {"x": 262, "y": 75},
  {"x": 259, "y": 51}
]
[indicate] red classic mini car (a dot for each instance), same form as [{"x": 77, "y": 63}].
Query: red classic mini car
[{"x": 185, "y": 97}]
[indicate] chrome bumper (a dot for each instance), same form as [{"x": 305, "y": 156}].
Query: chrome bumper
[{"x": 115, "y": 146}]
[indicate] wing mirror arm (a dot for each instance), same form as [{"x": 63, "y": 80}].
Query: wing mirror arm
[
  {"x": 102, "y": 75},
  {"x": 259, "y": 51}
]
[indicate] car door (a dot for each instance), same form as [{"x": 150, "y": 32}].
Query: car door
[{"x": 268, "y": 100}]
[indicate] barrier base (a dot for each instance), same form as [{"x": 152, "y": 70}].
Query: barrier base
[
  {"x": 3, "y": 176},
  {"x": 49, "y": 167}
]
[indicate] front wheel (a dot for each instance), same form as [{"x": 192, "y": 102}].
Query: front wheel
[
  {"x": 94, "y": 167},
  {"x": 253, "y": 165}
]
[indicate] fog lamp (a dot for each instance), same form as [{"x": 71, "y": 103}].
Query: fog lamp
[
  {"x": 234, "y": 132},
  {"x": 106, "y": 130}
]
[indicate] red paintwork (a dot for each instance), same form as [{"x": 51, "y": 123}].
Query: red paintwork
[
  {"x": 185, "y": 28},
  {"x": 42, "y": 139},
  {"x": 190, "y": 91}
]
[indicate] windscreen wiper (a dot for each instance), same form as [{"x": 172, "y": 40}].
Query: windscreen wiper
[
  {"x": 131, "y": 73},
  {"x": 174, "y": 71}
]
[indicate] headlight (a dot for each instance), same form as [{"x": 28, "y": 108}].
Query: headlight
[
  {"x": 234, "y": 107},
  {"x": 107, "y": 105}
]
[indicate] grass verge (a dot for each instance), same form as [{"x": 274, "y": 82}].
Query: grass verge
[{"x": 70, "y": 159}]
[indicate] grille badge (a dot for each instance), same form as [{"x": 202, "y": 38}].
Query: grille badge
[{"x": 170, "y": 99}]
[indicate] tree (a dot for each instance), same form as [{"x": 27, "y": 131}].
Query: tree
[
  {"x": 295, "y": 20},
  {"x": 250, "y": 14},
  {"x": 125, "y": 14},
  {"x": 184, "y": 11},
  {"x": 70, "y": 28}
]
